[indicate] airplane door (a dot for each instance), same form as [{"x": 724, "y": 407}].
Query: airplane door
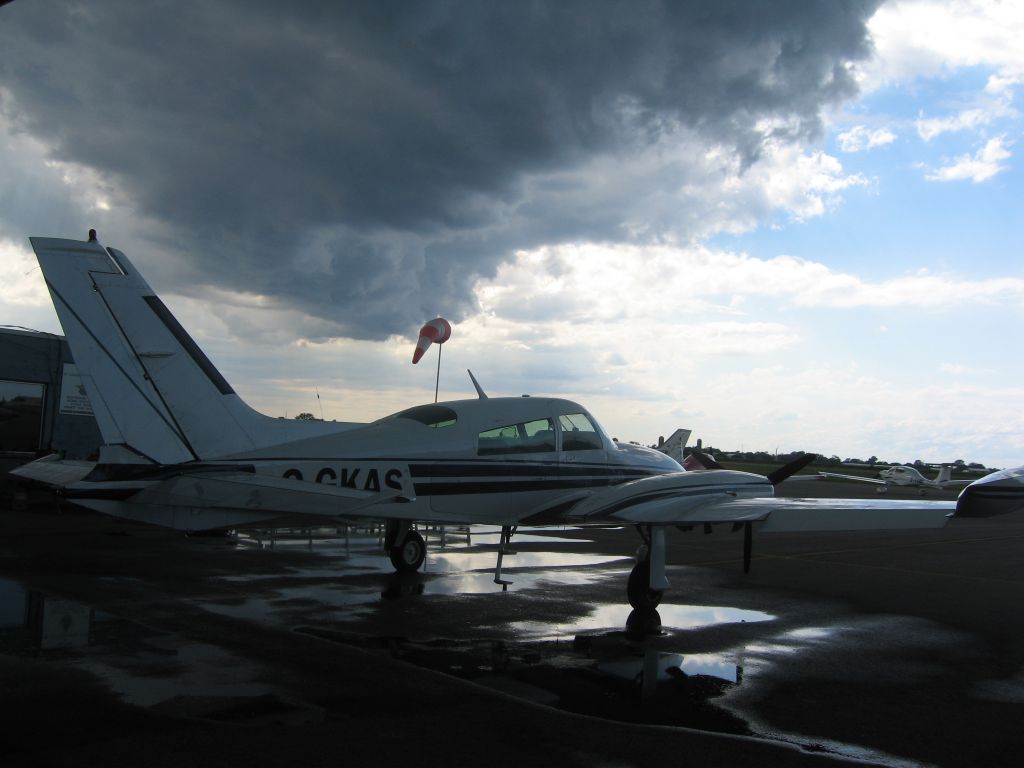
[{"x": 515, "y": 469}]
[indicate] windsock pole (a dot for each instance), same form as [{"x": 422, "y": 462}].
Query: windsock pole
[{"x": 437, "y": 380}]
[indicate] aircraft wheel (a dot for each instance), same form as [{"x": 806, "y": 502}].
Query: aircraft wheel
[
  {"x": 409, "y": 555},
  {"x": 638, "y": 589}
]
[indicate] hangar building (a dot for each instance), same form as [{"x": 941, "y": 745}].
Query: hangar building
[{"x": 43, "y": 407}]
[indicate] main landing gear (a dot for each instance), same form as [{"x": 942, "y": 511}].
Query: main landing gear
[{"x": 405, "y": 546}]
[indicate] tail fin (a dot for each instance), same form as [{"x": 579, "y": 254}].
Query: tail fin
[
  {"x": 945, "y": 473},
  {"x": 151, "y": 387}
]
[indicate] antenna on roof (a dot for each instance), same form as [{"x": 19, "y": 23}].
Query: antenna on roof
[{"x": 476, "y": 384}]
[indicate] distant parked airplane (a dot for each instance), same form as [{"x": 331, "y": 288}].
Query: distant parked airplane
[{"x": 905, "y": 476}]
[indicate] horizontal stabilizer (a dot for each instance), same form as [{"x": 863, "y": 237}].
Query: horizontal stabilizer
[{"x": 53, "y": 471}]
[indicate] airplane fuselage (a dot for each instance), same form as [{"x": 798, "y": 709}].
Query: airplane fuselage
[{"x": 496, "y": 459}]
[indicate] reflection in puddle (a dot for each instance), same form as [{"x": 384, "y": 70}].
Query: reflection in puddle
[
  {"x": 1008, "y": 691},
  {"x": 457, "y": 569},
  {"x": 653, "y": 668},
  {"x": 143, "y": 667},
  {"x": 31, "y": 622},
  {"x": 614, "y": 616},
  {"x": 456, "y": 562},
  {"x": 332, "y": 604},
  {"x": 483, "y": 582},
  {"x": 810, "y": 633},
  {"x": 166, "y": 668}
]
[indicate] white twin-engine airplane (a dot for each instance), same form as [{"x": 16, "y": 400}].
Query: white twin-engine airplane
[
  {"x": 905, "y": 476},
  {"x": 183, "y": 450}
]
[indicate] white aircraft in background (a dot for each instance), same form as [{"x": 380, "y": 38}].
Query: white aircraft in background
[
  {"x": 906, "y": 476},
  {"x": 183, "y": 450}
]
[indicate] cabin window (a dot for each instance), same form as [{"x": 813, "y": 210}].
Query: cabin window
[
  {"x": 578, "y": 433},
  {"x": 526, "y": 437},
  {"x": 431, "y": 415}
]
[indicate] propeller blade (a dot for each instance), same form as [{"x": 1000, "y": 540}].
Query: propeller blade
[{"x": 792, "y": 468}]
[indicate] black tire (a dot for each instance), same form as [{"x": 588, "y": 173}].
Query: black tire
[
  {"x": 638, "y": 589},
  {"x": 410, "y": 554}
]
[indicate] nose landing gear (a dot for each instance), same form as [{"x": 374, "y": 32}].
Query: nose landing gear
[
  {"x": 647, "y": 582},
  {"x": 638, "y": 588}
]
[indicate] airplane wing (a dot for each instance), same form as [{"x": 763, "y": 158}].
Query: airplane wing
[
  {"x": 803, "y": 478},
  {"x": 777, "y": 515},
  {"x": 858, "y": 478},
  {"x": 724, "y": 496}
]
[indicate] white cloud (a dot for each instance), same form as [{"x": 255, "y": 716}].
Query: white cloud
[
  {"x": 665, "y": 310},
  {"x": 958, "y": 369},
  {"x": 21, "y": 282},
  {"x": 844, "y": 411},
  {"x": 681, "y": 189},
  {"x": 805, "y": 184},
  {"x": 930, "y": 38},
  {"x": 968, "y": 119},
  {"x": 1001, "y": 85},
  {"x": 981, "y": 166},
  {"x": 860, "y": 138}
]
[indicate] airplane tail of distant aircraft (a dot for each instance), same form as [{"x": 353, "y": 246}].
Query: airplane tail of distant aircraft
[
  {"x": 945, "y": 473},
  {"x": 154, "y": 393}
]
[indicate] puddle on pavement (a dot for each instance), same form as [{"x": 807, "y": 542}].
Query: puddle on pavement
[
  {"x": 347, "y": 601},
  {"x": 359, "y": 552},
  {"x": 339, "y": 591},
  {"x": 611, "y": 616},
  {"x": 143, "y": 667},
  {"x": 1007, "y": 691},
  {"x": 611, "y": 677},
  {"x": 654, "y": 667}
]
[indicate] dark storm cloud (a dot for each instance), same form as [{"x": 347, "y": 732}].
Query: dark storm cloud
[{"x": 397, "y": 140}]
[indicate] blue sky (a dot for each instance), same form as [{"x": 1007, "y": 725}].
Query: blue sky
[{"x": 796, "y": 231}]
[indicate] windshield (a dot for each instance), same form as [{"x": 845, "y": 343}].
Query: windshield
[{"x": 579, "y": 433}]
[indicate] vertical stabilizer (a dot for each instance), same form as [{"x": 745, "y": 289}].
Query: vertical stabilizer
[
  {"x": 945, "y": 473},
  {"x": 152, "y": 388}
]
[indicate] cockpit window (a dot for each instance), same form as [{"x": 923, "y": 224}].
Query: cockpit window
[
  {"x": 578, "y": 434},
  {"x": 430, "y": 415},
  {"x": 526, "y": 437}
]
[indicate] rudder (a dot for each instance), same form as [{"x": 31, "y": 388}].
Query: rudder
[{"x": 152, "y": 388}]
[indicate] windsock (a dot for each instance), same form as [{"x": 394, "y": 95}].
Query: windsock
[{"x": 437, "y": 331}]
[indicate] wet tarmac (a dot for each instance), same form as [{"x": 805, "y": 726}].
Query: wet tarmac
[{"x": 125, "y": 644}]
